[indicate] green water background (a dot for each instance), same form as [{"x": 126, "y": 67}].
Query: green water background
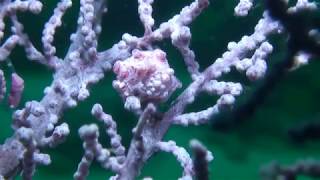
[{"x": 238, "y": 153}]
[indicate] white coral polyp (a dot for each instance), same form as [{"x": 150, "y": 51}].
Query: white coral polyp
[{"x": 145, "y": 75}]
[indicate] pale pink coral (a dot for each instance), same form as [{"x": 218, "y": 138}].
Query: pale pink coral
[{"x": 17, "y": 86}]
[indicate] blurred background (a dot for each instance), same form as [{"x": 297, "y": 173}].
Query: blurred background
[{"x": 241, "y": 141}]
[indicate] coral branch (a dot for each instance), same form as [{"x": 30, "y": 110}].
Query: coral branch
[
  {"x": 31, "y": 52},
  {"x": 308, "y": 167},
  {"x": 8, "y": 46},
  {"x": 89, "y": 134},
  {"x": 50, "y": 28},
  {"x": 182, "y": 156},
  {"x": 145, "y": 13},
  {"x": 58, "y": 136},
  {"x": 30, "y": 157},
  {"x": 243, "y": 7},
  {"x": 201, "y": 159},
  {"x": 111, "y": 130}
]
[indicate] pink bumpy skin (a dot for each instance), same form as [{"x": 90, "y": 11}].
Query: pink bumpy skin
[
  {"x": 145, "y": 75},
  {"x": 17, "y": 86}
]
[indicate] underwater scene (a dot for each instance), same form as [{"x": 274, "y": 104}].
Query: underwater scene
[{"x": 159, "y": 89}]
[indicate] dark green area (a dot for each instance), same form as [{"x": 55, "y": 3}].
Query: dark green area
[{"x": 238, "y": 153}]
